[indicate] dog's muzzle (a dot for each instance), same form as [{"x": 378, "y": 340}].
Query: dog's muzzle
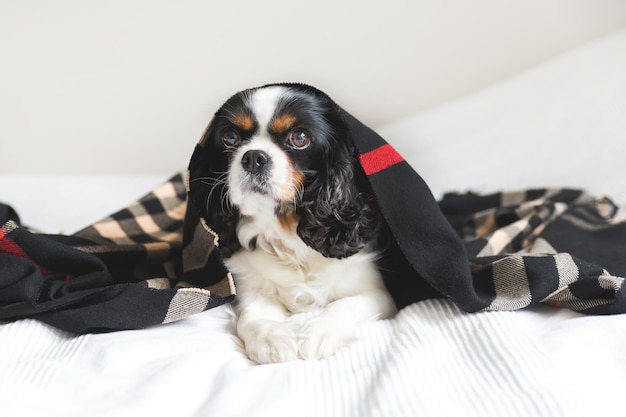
[{"x": 257, "y": 166}]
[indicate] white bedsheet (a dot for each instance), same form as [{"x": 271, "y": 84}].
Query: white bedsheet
[{"x": 431, "y": 359}]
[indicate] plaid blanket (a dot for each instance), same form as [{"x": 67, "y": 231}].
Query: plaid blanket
[
  {"x": 143, "y": 265},
  {"x": 133, "y": 269},
  {"x": 158, "y": 261},
  {"x": 542, "y": 246}
]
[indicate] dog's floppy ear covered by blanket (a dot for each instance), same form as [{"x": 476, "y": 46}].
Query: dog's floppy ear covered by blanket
[{"x": 423, "y": 257}]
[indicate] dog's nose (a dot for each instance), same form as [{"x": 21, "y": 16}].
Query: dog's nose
[{"x": 255, "y": 161}]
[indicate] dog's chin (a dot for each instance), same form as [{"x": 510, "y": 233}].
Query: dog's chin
[
  {"x": 257, "y": 186},
  {"x": 254, "y": 198},
  {"x": 256, "y": 195}
]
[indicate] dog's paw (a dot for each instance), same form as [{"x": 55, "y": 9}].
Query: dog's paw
[
  {"x": 271, "y": 342},
  {"x": 321, "y": 339}
]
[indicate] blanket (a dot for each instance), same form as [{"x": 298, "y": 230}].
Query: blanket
[{"x": 158, "y": 261}]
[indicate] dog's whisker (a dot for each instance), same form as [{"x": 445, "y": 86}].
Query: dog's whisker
[
  {"x": 220, "y": 181},
  {"x": 215, "y": 182},
  {"x": 298, "y": 195},
  {"x": 221, "y": 174},
  {"x": 225, "y": 201},
  {"x": 206, "y": 206}
]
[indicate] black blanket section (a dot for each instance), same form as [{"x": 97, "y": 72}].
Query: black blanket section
[{"x": 157, "y": 261}]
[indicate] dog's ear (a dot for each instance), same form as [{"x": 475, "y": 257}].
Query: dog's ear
[
  {"x": 338, "y": 214},
  {"x": 208, "y": 192}
]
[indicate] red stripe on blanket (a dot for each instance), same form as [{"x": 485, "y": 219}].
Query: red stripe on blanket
[
  {"x": 379, "y": 159},
  {"x": 9, "y": 247}
]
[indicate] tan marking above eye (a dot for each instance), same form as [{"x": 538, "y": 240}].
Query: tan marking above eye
[
  {"x": 282, "y": 123},
  {"x": 244, "y": 121}
]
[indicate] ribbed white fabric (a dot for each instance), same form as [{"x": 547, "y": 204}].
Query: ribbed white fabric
[
  {"x": 24, "y": 346},
  {"x": 434, "y": 360},
  {"x": 430, "y": 360}
]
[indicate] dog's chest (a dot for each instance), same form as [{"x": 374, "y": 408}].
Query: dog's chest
[
  {"x": 302, "y": 278},
  {"x": 299, "y": 286},
  {"x": 280, "y": 265}
]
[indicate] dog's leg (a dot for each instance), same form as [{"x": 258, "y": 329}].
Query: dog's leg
[
  {"x": 266, "y": 334},
  {"x": 331, "y": 331}
]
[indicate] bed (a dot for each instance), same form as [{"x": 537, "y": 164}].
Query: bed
[{"x": 559, "y": 124}]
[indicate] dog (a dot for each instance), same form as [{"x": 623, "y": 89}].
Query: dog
[{"x": 297, "y": 223}]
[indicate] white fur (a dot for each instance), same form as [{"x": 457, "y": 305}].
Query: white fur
[
  {"x": 264, "y": 103},
  {"x": 239, "y": 193},
  {"x": 280, "y": 275}
]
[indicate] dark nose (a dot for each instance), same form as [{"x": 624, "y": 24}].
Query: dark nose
[{"x": 255, "y": 161}]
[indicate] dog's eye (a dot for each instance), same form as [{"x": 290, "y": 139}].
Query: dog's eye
[
  {"x": 231, "y": 139},
  {"x": 298, "y": 140}
]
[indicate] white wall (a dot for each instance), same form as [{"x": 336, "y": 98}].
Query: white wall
[{"x": 127, "y": 86}]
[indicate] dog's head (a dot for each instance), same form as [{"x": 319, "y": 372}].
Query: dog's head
[{"x": 283, "y": 150}]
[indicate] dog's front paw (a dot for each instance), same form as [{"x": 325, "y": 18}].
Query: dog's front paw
[
  {"x": 270, "y": 341},
  {"x": 321, "y": 339}
]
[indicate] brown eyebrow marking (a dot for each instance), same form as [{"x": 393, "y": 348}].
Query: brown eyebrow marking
[
  {"x": 282, "y": 123},
  {"x": 244, "y": 121}
]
